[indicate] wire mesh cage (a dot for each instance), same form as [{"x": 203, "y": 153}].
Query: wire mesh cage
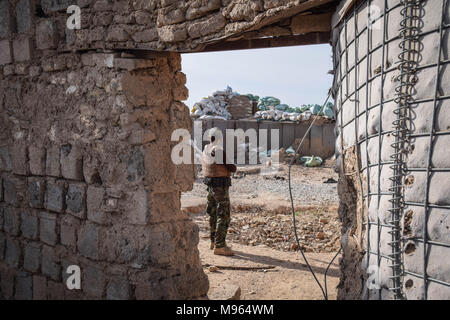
[{"x": 392, "y": 90}]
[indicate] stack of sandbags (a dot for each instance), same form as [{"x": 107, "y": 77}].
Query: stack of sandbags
[
  {"x": 277, "y": 115},
  {"x": 240, "y": 107},
  {"x": 267, "y": 103},
  {"x": 214, "y": 106},
  {"x": 270, "y": 108}
]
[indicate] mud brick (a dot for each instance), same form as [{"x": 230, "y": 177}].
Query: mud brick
[
  {"x": 22, "y": 49},
  {"x": 24, "y": 15},
  {"x": 2, "y": 217},
  {"x": 12, "y": 221},
  {"x": 144, "y": 291},
  {"x": 9, "y": 70},
  {"x": 46, "y": 35},
  {"x": 10, "y": 191},
  {"x": 88, "y": 241},
  {"x": 37, "y": 158},
  {"x": 70, "y": 36},
  {"x": 21, "y": 69},
  {"x": 34, "y": 72},
  {"x": 1, "y": 190},
  {"x": 39, "y": 288},
  {"x": 55, "y": 290},
  {"x": 135, "y": 165},
  {"x": 24, "y": 286},
  {"x": 54, "y": 196},
  {"x": 68, "y": 235},
  {"x": 32, "y": 257},
  {"x": 94, "y": 281},
  {"x": 15, "y": 190},
  {"x": 2, "y": 245},
  {"x": 48, "y": 233},
  {"x": 7, "y": 283},
  {"x": 5, "y": 52},
  {"x": 50, "y": 6},
  {"x": 71, "y": 162},
  {"x": 76, "y": 200},
  {"x": 95, "y": 197},
  {"x": 118, "y": 289},
  {"x": 36, "y": 192},
  {"x": 53, "y": 166},
  {"x": 88, "y": 59},
  {"x": 139, "y": 212},
  {"x": 6, "y": 25},
  {"x": 13, "y": 252},
  {"x": 5, "y": 159},
  {"x": 50, "y": 265},
  {"x": 29, "y": 225},
  {"x": 133, "y": 64}
]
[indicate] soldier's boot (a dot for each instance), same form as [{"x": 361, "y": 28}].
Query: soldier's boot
[{"x": 225, "y": 251}]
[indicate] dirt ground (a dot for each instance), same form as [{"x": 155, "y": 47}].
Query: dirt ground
[
  {"x": 279, "y": 275},
  {"x": 267, "y": 264}
]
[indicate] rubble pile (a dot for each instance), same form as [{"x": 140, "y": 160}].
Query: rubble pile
[{"x": 318, "y": 231}]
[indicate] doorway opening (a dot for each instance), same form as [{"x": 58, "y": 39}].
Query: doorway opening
[{"x": 281, "y": 82}]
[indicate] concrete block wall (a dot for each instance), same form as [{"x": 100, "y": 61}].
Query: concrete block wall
[
  {"x": 86, "y": 179},
  {"x": 364, "y": 91}
]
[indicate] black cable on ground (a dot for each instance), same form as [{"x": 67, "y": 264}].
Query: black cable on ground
[
  {"x": 326, "y": 271},
  {"x": 324, "y": 288}
]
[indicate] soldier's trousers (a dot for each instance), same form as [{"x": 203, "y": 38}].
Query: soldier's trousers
[{"x": 218, "y": 209}]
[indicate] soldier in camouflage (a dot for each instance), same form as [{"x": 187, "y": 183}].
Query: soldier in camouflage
[{"x": 217, "y": 170}]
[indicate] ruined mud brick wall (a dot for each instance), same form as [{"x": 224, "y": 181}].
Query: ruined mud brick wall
[
  {"x": 86, "y": 174},
  {"x": 87, "y": 180},
  {"x": 86, "y": 177},
  {"x": 170, "y": 25},
  {"x": 364, "y": 90}
]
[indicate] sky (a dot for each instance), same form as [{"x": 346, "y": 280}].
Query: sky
[{"x": 295, "y": 75}]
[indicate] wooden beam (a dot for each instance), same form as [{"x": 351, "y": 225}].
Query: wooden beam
[
  {"x": 310, "y": 4},
  {"x": 311, "y": 23},
  {"x": 265, "y": 21},
  {"x": 285, "y": 41}
]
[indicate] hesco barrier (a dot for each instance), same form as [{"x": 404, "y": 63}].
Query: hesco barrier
[
  {"x": 392, "y": 92},
  {"x": 319, "y": 141}
]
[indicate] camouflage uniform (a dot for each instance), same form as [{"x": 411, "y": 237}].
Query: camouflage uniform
[
  {"x": 217, "y": 169},
  {"x": 218, "y": 209}
]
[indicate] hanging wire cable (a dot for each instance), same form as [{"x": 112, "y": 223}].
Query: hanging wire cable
[{"x": 323, "y": 288}]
